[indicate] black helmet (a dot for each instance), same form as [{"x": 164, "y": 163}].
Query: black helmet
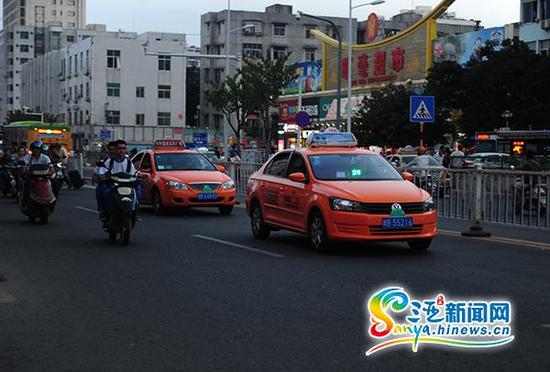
[{"x": 36, "y": 145}]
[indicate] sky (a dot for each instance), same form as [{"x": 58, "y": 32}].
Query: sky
[{"x": 184, "y": 15}]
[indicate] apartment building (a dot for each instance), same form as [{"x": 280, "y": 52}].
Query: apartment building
[{"x": 534, "y": 27}]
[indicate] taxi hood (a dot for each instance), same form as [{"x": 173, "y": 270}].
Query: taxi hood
[
  {"x": 396, "y": 191},
  {"x": 195, "y": 176}
]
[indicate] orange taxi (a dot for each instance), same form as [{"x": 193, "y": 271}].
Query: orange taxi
[
  {"x": 334, "y": 191},
  {"x": 173, "y": 177}
]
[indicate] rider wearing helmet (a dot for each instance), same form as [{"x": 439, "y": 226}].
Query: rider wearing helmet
[{"x": 36, "y": 156}]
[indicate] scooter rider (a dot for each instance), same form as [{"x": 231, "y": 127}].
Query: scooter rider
[
  {"x": 35, "y": 158},
  {"x": 120, "y": 163}
]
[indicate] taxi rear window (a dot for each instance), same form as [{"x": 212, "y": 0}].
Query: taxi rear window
[
  {"x": 352, "y": 167},
  {"x": 182, "y": 162}
]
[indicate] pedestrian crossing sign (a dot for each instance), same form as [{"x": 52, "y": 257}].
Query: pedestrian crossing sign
[{"x": 422, "y": 109}]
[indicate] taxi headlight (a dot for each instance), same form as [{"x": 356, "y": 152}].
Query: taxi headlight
[
  {"x": 175, "y": 185},
  {"x": 229, "y": 185},
  {"x": 429, "y": 205},
  {"x": 345, "y": 205}
]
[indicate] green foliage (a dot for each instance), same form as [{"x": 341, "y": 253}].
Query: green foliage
[
  {"x": 255, "y": 88},
  {"x": 15, "y": 116},
  {"x": 384, "y": 120}
]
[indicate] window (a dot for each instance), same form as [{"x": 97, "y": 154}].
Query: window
[
  {"x": 350, "y": 167},
  {"x": 164, "y": 91},
  {"x": 24, "y": 35},
  {"x": 252, "y": 50},
  {"x": 70, "y": 39},
  {"x": 54, "y": 13},
  {"x": 163, "y": 119},
  {"x": 279, "y": 29},
  {"x": 113, "y": 89},
  {"x": 24, "y": 48},
  {"x": 277, "y": 168},
  {"x": 530, "y": 11},
  {"x": 308, "y": 29},
  {"x": 113, "y": 58},
  {"x": 279, "y": 52},
  {"x": 165, "y": 63},
  {"x": 140, "y": 119},
  {"x": 179, "y": 161},
  {"x": 23, "y": 60},
  {"x": 140, "y": 92},
  {"x": 309, "y": 54},
  {"x": 81, "y": 117},
  {"x": 146, "y": 163},
  {"x": 70, "y": 2},
  {"x": 71, "y": 13},
  {"x": 218, "y": 75},
  {"x": 113, "y": 117},
  {"x": 87, "y": 90},
  {"x": 297, "y": 165}
]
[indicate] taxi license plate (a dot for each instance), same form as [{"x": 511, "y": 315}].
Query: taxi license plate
[
  {"x": 397, "y": 223},
  {"x": 207, "y": 196}
]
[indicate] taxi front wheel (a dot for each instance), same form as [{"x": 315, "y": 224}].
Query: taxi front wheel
[
  {"x": 158, "y": 208},
  {"x": 420, "y": 245},
  {"x": 318, "y": 233},
  {"x": 259, "y": 228}
]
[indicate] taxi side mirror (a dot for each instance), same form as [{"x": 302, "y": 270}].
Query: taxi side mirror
[
  {"x": 297, "y": 177},
  {"x": 408, "y": 176},
  {"x": 220, "y": 168}
]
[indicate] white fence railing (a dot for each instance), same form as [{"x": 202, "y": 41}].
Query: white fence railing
[{"x": 508, "y": 197}]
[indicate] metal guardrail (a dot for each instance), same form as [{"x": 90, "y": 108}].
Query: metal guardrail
[{"x": 501, "y": 196}]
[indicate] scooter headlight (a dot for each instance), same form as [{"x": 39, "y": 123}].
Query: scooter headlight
[{"x": 124, "y": 191}]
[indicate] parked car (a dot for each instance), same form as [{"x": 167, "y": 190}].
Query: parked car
[
  {"x": 399, "y": 160},
  {"x": 489, "y": 160},
  {"x": 428, "y": 173}
]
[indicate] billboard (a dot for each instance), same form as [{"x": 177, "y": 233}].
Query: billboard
[
  {"x": 310, "y": 74},
  {"x": 464, "y": 48}
]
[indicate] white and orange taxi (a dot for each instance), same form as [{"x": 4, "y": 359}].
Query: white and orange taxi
[
  {"x": 334, "y": 191},
  {"x": 173, "y": 177}
]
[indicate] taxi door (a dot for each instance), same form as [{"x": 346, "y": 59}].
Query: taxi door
[
  {"x": 295, "y": 194},
  {"x": 272, "y": 185},
  {"x": 145, "y": 174}
]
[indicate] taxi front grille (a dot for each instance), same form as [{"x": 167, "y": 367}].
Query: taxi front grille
[
  {"x": 385, "y": 208},
  {"x": 206, "y": 187},
  {"x": 196, "y": 200},
  {"x": 379, "y": 231}
]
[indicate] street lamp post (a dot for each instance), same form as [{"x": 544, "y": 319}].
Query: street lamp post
[
  {"x": 350, "y": 54},
  {"x": 339, "y": 37},
  {"x": 507, "y": 115}
]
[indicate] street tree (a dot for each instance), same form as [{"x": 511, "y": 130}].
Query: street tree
[{"x": 383, "y": 120}]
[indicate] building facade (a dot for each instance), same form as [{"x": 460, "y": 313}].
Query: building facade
[
  {"x": 275, "y": 32},
  {"x": 534, "y": 27},
  {"x": 32, "y": 28},
  {"x": 107, "y": 83}
]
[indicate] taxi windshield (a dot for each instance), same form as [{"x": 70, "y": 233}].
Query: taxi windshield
[
  {"x": 182, "y": 162},
  {"x": 352, "y": 167}
]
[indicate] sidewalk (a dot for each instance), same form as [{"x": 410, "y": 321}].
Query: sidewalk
[{"x": 498, "y": 230}]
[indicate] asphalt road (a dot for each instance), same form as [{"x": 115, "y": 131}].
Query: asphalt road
[{"x": 173, "y": 301}]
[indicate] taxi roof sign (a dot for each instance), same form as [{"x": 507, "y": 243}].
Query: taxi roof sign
[
  {"x": 169, "y": 145},
  {"x": 331, "y": 139}
]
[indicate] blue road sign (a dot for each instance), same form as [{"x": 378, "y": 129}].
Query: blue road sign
[
  {"x": 303, "y": 119},
  {"x": 200, "y": 139},
  {"x": 105, "y": 134},
  {"x": 422, "y": 109}
]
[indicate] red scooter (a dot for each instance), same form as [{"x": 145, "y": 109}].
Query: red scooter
[{"x": 38, "y": 200}]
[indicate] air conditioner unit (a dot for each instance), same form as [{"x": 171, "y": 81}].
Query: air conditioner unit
[{"x": 545, "y": 24}]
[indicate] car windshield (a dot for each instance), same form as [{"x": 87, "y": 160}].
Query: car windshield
[
  {"x": 352, "y": 167},
  {"x": 182, "y": 162}
]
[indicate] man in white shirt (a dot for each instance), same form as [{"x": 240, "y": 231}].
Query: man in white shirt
[
  {"x": 457, "y": 157},
  {"x": 120, "y": 163}
]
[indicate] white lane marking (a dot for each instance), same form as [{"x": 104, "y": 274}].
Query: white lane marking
[
  {"x": 235, "y": 245},
  {"x": 502, "y": 240},
  {"x": 87, "y": 210}
]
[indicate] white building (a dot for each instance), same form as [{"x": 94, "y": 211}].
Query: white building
[
  {"x": 30, "y": 29},
  {"x": 106, "y": 83}
]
